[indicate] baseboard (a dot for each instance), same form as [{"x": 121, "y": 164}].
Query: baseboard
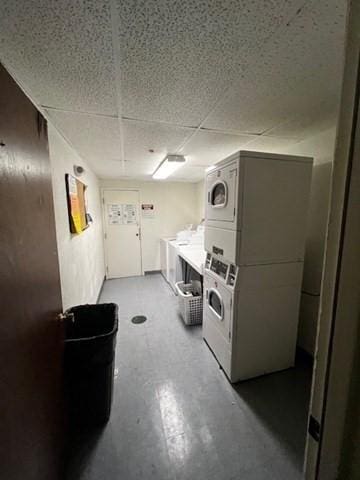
[
  {"x": 152, "y": 272},
  {"x": 100, "y": 290}
]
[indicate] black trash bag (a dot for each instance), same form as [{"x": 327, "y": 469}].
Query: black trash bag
[{"x": 90, "y": 341}]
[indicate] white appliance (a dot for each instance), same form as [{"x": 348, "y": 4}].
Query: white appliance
[
  {"x": 164, "y": 257},
  {"x": 175, "y": 274},
  {"x": 256, "y": 208},
  {"x": 255, "y": 228},
  {"x": 190, "y": 240},
  {"x": 169, "y": 261},
  {"x": 251, "y": 315},
  {"x": 184, "y": 236}
]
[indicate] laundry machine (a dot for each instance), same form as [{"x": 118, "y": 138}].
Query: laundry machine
[
  {"x": 164, "y": 257},
  {"x": 175, "y": 274},
  {"x": 256, "y": 208},
  {"x": 250, "y": 316},
  {"x": 255, "y": 230},
  {"x": 192, "y": 239}
]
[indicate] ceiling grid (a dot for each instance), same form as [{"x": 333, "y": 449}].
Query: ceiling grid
[
  {"x": 122, "y": 78},
  {"x": 116, "y": 54},
  {"x": 230, "y": 87}
]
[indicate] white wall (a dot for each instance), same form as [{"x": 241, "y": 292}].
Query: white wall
[
  {"x": 321, "y": 147},
  {"x": 175, "y": 206},
  {"x": 81, "y": 257},
  {"x": 200, "y": 196}
]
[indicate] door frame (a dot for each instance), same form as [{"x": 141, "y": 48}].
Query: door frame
[
  {"x": 337, "y": 347},
  {"x": 119, "y": 189}
]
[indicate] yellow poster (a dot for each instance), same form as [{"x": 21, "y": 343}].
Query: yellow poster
[{"x": 74, "y": 205}]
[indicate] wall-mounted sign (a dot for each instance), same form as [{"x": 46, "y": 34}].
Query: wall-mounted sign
[
  {"x": 147, "y": 210},
  {"x": 129, "y": 214},
  {"x": 115, "y": 215},
  {"x": 122, "y": 214}
]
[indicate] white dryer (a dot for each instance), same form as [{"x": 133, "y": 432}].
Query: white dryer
[
  {"x": 250, "y": 316},
  {"x": 223, "y": 198},
  {"x": 256, "y": 208}
]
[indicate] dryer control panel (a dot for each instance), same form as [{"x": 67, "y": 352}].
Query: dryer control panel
[
  {"x": 226, "y": 271},
  {"x": 219, "y": 267}
]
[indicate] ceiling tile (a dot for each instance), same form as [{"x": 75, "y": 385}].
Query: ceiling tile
[
  {"x": 95, "y": 138},
  {"x": 140, "y": 137},
  {"x": 115, "y": 169},
  {"x": 320, "y": 147},
  {"x": 145, "y": 170},
  {"x": 188, "y": 173},
  {"x": 140, "y": 168},
  {"x": 295, "y": 75},
  {"x": 177, "y": 58},
  {"x": 279, "y": 65},
  {"x": 61, "y": 52},
  {"x": 110, "y": 169},
  {"x": 306, "y": 124},
  {"x": 270, "y": 144},
  {"x": 206, "y": 148}
]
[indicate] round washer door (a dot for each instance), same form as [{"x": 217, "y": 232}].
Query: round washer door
[
  {"x": 217, "y": 305},
  {"x": 219, "y": 194}
]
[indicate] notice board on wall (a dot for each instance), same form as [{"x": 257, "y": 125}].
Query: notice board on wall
[{"x": 76, "y": 201}]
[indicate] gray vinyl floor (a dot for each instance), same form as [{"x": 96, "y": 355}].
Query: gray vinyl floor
[{"x": 176, "y": 416}]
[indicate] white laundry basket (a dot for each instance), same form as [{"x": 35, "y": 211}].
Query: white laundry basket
[{"x": 190, "y": 306}]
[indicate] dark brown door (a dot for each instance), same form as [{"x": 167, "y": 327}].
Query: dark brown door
[{"x": 30, "y": 298}]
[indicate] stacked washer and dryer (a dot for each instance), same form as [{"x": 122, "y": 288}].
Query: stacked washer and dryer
[{"x": 255, "y": 230}]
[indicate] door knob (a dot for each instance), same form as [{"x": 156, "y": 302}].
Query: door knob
[{"x": 62, "y": 317}]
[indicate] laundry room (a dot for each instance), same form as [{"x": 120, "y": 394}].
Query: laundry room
[{"x": 186, "y": 154}]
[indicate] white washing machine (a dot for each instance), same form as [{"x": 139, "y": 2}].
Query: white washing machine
[
  {"x": 171, "y": 264},
  {"x": 164, "y": 257},
  {"x": 256, "y": 208},
  {"x": 175, "y": 273},
  {"x": 250, "y": 316}
]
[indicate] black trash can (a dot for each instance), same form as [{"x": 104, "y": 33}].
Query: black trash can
[{"x": 90, "y": 340}]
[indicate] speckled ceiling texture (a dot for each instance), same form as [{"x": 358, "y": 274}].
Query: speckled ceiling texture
[
  {"x": 295, "y": 78},
  {"x": 61, "y": 51},
  {"x": 175, "y": 71},
  {"x": 179, "y": 56}
]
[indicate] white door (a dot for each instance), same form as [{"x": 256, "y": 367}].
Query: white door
[{"x": 122, "y": 233}]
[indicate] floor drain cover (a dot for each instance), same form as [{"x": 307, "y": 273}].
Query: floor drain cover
[{"x": 138, "y": 319}]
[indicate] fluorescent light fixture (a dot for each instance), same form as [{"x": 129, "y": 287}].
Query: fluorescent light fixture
[{"x": 168, "y": 166}]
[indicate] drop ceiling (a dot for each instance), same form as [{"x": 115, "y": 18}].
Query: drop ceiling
[{"x": 127, "y": 82}]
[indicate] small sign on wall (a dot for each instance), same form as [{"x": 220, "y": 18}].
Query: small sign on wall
[
  {"x": 147, "y": 210},
  {"x": 115, "y": 214},
  {"x": 122, "y": 214},
  {"x": 129, "y": 214}
]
